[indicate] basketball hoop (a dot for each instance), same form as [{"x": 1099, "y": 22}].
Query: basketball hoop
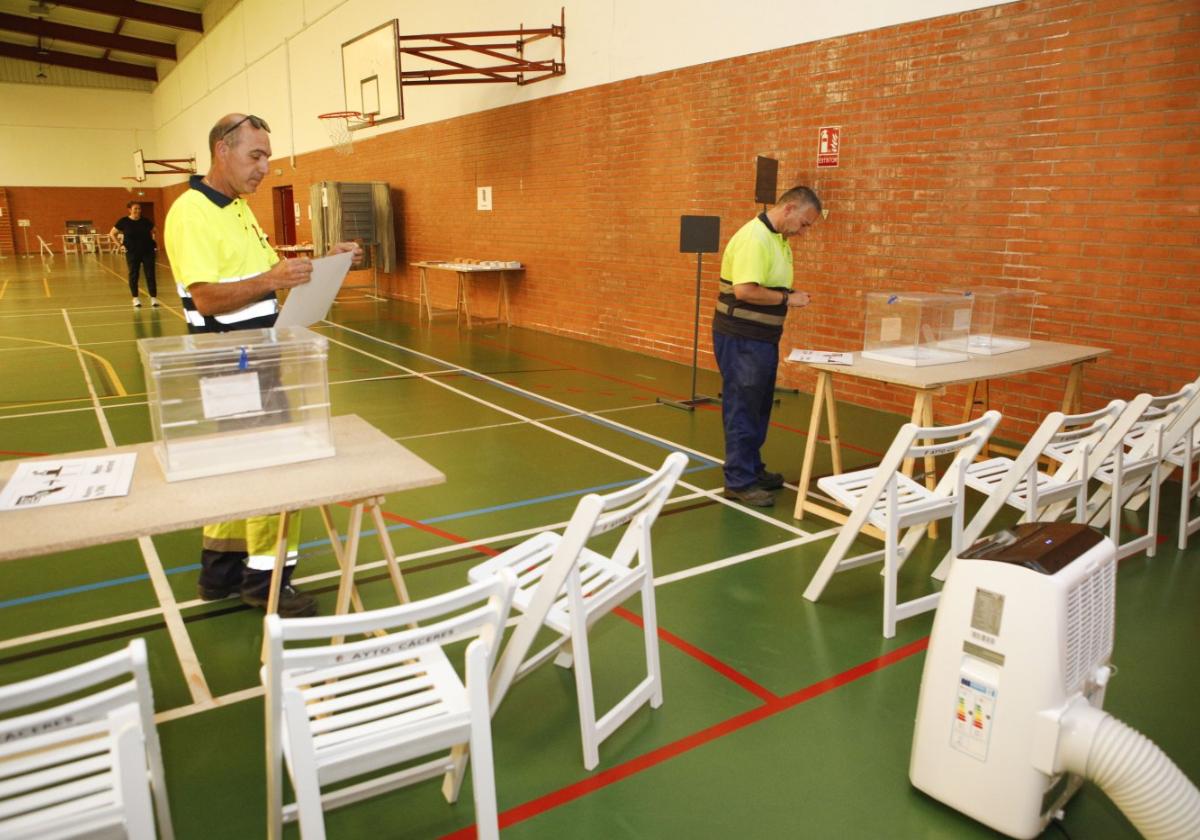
[{"x": 339, "y": 124}]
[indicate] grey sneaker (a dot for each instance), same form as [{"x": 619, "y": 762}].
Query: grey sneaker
[
  {"x": 292, "y": 603},
  {"x": 753, "y": 495},
  {"x": 137, "y": 304}
]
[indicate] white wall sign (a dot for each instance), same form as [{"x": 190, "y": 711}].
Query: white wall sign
[
  {"x": 22, "y": 223},
  {"x": 483, "y": 198}
]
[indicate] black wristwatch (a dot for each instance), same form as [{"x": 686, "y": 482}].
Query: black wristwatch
[{"x": 786, "y": 296}]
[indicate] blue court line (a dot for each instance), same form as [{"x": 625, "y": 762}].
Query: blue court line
[{"x": 322, "y": 543}]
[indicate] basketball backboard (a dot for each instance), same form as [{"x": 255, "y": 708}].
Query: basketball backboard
[
  {"x": 371, "y": 74},
  {"x": 139, "y": 166}
]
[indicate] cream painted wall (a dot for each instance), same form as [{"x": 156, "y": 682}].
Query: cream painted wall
[
  {"x": 281, "y": 59},
  {"x": 72, "y": 137}
]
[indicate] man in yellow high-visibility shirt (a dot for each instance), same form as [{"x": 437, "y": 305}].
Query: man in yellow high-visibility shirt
[
  {"x": 227, "y": 276},
  {"x": 755, "y": 295}
]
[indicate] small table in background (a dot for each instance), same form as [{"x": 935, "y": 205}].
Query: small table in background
[{"x": 462, "y": 301}]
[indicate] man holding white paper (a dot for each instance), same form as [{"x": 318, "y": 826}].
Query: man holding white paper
[{"x": 227, "y": 276}]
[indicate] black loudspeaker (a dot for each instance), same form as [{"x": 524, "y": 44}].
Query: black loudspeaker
[
  {"x": 699, "y": 234},
  {"x": 766, "y": 179}
]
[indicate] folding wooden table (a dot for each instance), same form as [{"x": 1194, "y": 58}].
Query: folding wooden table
[
  {"x": 368, "y": 465},
  {"x": 462, "y": 300},
  {"x": 928, "y": 382}
]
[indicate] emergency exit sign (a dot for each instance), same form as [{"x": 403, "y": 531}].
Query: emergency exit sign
[{"x": 829, "y": 139}]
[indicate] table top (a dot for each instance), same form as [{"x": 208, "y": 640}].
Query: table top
[
  {"x": 465, "y": 268},
  {"x": 368, "y": 463},
  {"x": 1038, "y": 356}
]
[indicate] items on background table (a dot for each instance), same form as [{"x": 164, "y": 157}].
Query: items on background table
[{"x": 461, "y": 264}]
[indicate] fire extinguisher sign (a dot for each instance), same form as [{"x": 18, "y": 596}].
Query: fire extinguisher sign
[{"x": 829, "y": 140}]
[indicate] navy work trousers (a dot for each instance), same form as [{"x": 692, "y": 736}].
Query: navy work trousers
[{"x": 747, "y": 395}]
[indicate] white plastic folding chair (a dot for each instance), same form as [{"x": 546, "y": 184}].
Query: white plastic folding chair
[
  {"x": 341, "y": 710},
  {"x": 566, "y": 586},
  {"x": 88, "y": 766},
  {"x": 1021, "y": 483},
  {"x": 891, "y": 501},
  {"x": 1158, "y": 410},
  {"x": 1186, "y": 456},
  {"x": 1140, "y": 470}
]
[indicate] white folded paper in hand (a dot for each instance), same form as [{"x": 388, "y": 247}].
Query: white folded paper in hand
[
  {"x": 309, "y": 302},
  {"x": 821, "y": 357}
]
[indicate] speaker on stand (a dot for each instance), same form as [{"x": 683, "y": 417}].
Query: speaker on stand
[{"x": 698, "y": 235}]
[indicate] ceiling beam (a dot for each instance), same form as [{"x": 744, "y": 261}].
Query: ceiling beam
[
  {"x": 92, "y": 37},
  {"x": 79, "y": 62},
  {"x": 145, "y": 12}
]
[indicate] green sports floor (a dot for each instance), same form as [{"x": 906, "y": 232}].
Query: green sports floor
[{"x": 782, "y": 718}]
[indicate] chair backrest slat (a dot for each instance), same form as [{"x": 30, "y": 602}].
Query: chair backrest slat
[
  {"x": 446, "y": 631},
  {"x": 76, "y": 678},
  {"x": 387, "y": 619},
  {"x": 74, "y": 713}
]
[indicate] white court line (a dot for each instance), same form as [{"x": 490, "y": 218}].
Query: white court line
[
  {"x": 188, "y": 661},
  {"x": 509, "y": 425},
  {"x": 562, "y": 406},
  {"x": 98, "y": 624}
]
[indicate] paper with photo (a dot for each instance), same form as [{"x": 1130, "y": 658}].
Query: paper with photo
[
  {"x": 309, "y": 302},
  {"x": 58, "y": 482}
]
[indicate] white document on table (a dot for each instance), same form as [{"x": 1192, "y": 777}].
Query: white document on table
[
  {"x": 309, "y": 302},
  {"x": 37, "y": 484},
  {"x": 821, "y": 357}
]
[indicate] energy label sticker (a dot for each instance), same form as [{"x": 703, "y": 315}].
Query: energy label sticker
[{"x": 973, "y": 708}]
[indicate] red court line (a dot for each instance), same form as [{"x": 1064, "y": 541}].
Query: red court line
[
  {"x": 668, "y": 637},
  {"x": 708, "y": 659},
  {"x": 23, "y": 454},
  {"x": 438, "y": 532},
  {"x": 644, "y": 762}
]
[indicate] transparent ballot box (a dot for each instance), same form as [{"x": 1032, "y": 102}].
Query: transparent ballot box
[
  {"x": 916, "y": 328},
  {"x": 226, "y": 402},
  {"x": 1001, "y": 319}
]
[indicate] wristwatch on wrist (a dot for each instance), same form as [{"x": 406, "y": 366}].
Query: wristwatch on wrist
[{"x": 786, "y": 296}]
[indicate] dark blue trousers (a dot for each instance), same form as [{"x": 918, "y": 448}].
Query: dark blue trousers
[
  {"x": 747, "y": 395},
  {"x": 143, "y": 260}
]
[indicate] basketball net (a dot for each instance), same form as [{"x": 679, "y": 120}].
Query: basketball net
[{"x": 339, "y": 125}]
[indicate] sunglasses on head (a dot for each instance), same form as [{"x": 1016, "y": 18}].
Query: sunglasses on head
[{"x": 255, "y": 122}]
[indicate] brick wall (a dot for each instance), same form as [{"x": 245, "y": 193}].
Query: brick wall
[
  {"x": 49, "y": 208},
  {"x": 6, "y": 225},
  {"x": 1052, "y": 145}
]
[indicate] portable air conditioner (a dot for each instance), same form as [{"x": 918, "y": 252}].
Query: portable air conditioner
[{"x": 1009, "y": 718}]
